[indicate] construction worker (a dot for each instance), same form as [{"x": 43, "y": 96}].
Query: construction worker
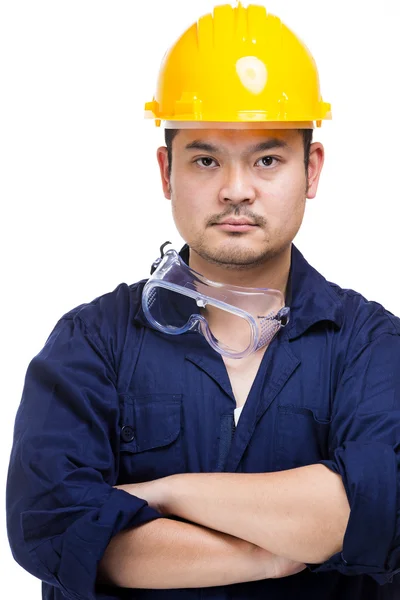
[{"x": 230, "y": 427}]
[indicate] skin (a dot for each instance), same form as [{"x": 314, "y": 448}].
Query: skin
[
  {"x": 167, "y": 554},
  {"x": 295, "y": 516},
  {"x": 269, "y": 187},
  {"x": 257, "y": 174},
  {"x": 299, "y": 514}
]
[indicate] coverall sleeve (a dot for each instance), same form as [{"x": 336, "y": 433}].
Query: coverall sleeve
[
  {"x": 62, "y": 509},
  {"x": 365, "y": 451}
]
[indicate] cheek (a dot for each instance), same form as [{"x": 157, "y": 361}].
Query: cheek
[
  {"x": 286, "y": 204},
  {"x": 187, "y": 208},
  {"x": 285, "y": 210},
  {"x": 192, "y": 187},
  {"x": 191, "y": 199}
]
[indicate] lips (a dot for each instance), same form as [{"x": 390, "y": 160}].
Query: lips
[
  {"x": 236, "y": 222},
  {"x": 241, "y": 225}
]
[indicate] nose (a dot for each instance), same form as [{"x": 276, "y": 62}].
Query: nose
[{"x": 237, "y": 187}]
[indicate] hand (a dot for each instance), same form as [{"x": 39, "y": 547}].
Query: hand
[{"x": 154, "y": 492}]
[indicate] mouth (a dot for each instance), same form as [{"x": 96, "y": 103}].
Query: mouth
[{"x": 238, "y": 225}]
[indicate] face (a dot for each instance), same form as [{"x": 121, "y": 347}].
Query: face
[{"x": 238, "y": 196}]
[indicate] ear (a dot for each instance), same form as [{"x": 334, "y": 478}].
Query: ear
[
  {"x": 317, "y": 157},
  {"x": 162, "y": 158}
]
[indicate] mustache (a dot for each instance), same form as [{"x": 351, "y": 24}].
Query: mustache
[{"x": 237, "y": 212}]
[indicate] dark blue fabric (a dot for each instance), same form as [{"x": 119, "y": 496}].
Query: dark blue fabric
[
  {"x": 109, "y": 400},
  {"x": 225, "y": 439}
]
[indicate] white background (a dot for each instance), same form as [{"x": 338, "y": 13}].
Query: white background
[{"x": 81, "y": 204}]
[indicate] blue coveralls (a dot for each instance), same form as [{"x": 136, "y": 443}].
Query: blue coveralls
[{"x": 109, "y": 400}]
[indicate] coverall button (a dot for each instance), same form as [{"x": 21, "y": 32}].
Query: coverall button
[{"x": 127, "y": 433}]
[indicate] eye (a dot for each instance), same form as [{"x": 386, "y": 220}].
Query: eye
[
  {"x": 206, "y": 161},
  {"x": 265, "y": 161}
]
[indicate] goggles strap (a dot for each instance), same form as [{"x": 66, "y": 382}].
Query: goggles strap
[{"x": 158, "y": 260}]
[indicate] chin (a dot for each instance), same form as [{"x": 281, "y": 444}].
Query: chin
[{"x": 234, "y": 256}]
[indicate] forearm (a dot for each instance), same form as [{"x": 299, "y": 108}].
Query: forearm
[
  {"x": 166, "y": 554},
  {"x": 300, "y": 514}
]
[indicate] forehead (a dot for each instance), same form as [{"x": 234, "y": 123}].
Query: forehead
[{"x": 239, "y": 139}]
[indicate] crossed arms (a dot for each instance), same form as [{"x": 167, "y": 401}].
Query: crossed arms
[{"x": 242, "y": 527}]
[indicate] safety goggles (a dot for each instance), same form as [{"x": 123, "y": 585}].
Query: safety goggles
[{"x": 235, "y": 321}]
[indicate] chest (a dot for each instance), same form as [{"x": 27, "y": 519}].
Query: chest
[
  {"x": 176, "y": 414},
  {"x": 242, "y": 373}
]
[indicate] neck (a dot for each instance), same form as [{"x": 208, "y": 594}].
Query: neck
[{"x": 273, "y": 273}]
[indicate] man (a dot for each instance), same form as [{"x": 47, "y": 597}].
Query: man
[{"x": 214, "y": 430}]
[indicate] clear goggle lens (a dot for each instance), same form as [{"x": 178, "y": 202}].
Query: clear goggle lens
[{"x": 226, "y": 331}]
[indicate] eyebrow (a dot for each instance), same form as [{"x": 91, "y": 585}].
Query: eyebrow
[
  {"x": 268, "y": 145},
  {"x": 199, "y": 145},
  {"x": 261, "y": 147}
]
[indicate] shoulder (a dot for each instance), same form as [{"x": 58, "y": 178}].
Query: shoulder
[
  {"x": 363, "y": 319},
  {"x": 108, "y": 320},
  {"x": 109, "y": 308}
]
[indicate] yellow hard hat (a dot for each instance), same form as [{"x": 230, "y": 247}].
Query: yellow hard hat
[{"x": 238, "y": 66}]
